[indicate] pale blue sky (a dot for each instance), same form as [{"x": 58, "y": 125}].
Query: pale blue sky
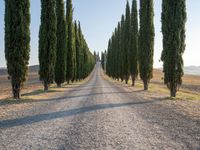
[{"x": 99, "y": 18}]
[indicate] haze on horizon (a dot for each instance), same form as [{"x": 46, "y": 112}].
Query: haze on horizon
[{"x": 99, "y": 18}]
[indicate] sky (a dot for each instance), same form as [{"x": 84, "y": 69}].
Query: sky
[{"x": 99, "y": 18}]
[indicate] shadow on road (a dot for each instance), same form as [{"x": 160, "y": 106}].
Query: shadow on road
[
  {"x": 63, "y": 98},
  {"x": 55, "y": 115}
]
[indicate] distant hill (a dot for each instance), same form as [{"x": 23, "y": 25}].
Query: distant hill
[
  {"x": 192, "y": 70},
  {"x": 3, "y": 71},
  {"x": 35, "y": 68}
]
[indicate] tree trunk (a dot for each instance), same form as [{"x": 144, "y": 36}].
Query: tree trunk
[
  {"x": 59, "y": 85},
  {"x": 126, "y": 81},
  {"x": 67, "y": 81},
  {"x": 16, "y": 93},
  {"x": 16, "y": 90},
  {"x": 133, "y": 80},
  {"x": 173, "y": 91},
  {"x": 146, "y": 85},
  {"x": 46, "y": 86}
]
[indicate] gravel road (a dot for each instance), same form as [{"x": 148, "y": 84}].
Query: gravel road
[{"x": 100, "y": 115}]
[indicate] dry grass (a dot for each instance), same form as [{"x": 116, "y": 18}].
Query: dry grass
[
  {"x": 188, "y": 79},
  {"x": 33, "y": 89},
  {"x": 190, "y": 89}
]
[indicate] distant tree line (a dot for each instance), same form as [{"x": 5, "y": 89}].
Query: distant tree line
[
  {"x": 63, "y": 51},
  {"x": 130, "y": 50}
]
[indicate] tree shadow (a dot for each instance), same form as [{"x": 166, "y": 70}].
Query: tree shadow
[
  {"x": 71, "y": 112},
  {"x": 11, "y": 101},
  {"x": 138, "y": 91},
  {"x": 38, "y": 92}
]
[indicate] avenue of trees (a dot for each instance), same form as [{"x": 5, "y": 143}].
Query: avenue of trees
[
  {"x": 63, "y": 51},
  {"x": 131, "y": 48},
  {"x": 64, "y": 55}
]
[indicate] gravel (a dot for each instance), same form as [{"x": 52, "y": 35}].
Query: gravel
[{"x": 100, "y": 115}]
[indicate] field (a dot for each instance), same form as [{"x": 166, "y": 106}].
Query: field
[
  {"x": 33, "y": 88},
  {"x": 190, "y": 90}
]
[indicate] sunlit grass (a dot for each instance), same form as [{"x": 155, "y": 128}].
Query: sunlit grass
[
  {"x": 40, "y": 94},
  {"x": 182, "y": 94}
]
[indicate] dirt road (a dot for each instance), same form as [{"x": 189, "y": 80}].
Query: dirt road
[{"x": 100, "y": 115}]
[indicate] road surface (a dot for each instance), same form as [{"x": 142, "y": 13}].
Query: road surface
[{"x": 100, "y": 115}]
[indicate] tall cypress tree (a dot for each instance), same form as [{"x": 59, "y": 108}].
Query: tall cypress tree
[
  {"x": 47, "y": 42},
  {"x": 134, "y": 43},
  {"x": 122, "y": 47},
  {"x": 173, "y": 29},
  {"x": 127, "y": 43},
  {"x": 113, "y": 56},
  {"x": 146, "y": 41},
  {"x": 60, "y": 67},
  {"x": 118, "y": 52},
  {"x": 78, "y": 52},
  {"x": 81, "y": 52},
  {"x": 103, "y": 60},
  {"x": 74, "y": 53},
  {"x": 70, "y": 54},
  {"x": 108, "y": 64},
  {"x": 85, "y": 58},
  {"x": 17, "y": 42}
]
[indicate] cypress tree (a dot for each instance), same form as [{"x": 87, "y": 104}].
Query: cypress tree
[
  {"x": 17, "y": 42},
  {"x": 146, "y": 41},
  {"x": 122, "y": 47},
  {"x": 118, "y": 52},
  {"x": 47, "y": 42},
  {"x": 113, "y": 56},
  {"x": 105, "y": 60},
  {"x": 81, "y": 52},
  {"x": 173, "y": 29},
  {"x": 127, "y": 43},
  {"x": 60, "y": 67},
  {"x": 84, "y": 60},
  {"x": 108, "y": 64},
  {"x": 70, "y": 54},
  {"x": 134, "y": 43},
  {"x": 74, "y": 54},
  {"x": 102, "y": 60},
  {"x": 77, "y": 46}
]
